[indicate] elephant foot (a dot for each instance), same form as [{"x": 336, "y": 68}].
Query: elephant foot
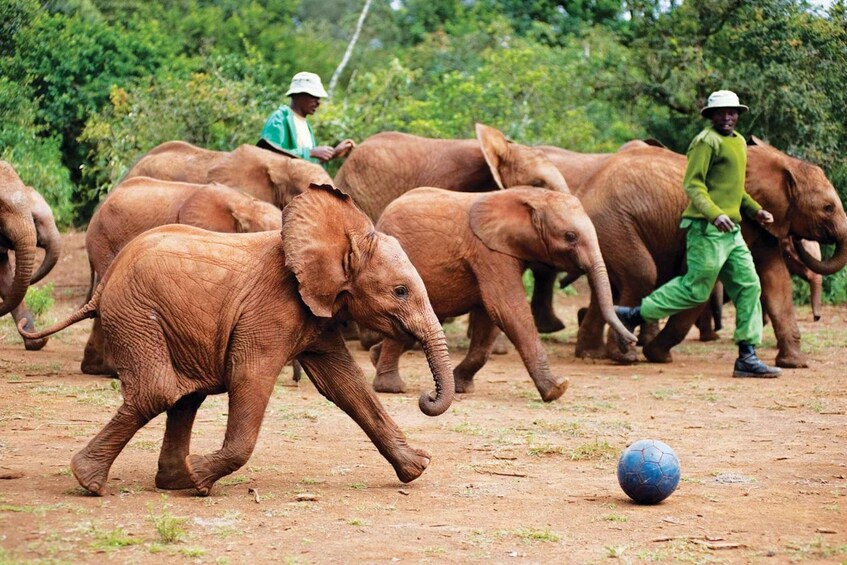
[
  {"x": 628, "y": 357},
  {"x": 500, "y": 345},
  {"x": 547, "y": 322},
  {"x": 35, "y": 344},
  {"x": 792, "y": 361},
  {"x": 551, "y": 392},
  {"x": 173, "y": 479},
  {"x": 590, "y": 352},
  {"x": 657, "y": 354},
  {"x": 412, "y": 464},
  {"x": 711, "y": 336},
  {"x": 463, "y": 385},
  {"x": 389, "y": 382},
  {"x": 647, "y": 333},
  {"x": 201, "y": 478},
  {"x": 89, "y": 474}
]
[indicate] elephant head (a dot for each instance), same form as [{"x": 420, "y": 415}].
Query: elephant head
[
  {"x": 513, "y": 164},
  {"x": 217, "y": 207},
  {"x": 26, "y": 221},
  {"x": 343, "y": 264},
  {"x": 803, "y": 201},
  {"x": 549, "y": 227},
  {"x": 267, "y": 175}
]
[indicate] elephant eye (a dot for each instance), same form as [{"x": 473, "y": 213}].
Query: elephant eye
[
  {"x": 570, "y": 237},
  {"x": 829, "y": 208},
  {"x": 401, "y": 291}
]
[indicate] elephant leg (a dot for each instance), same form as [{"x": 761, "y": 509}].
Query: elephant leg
[
  {"x": 776, "y": 295},
  {"x": 247, "y": 404},
  {"x": 387, "y": 355},
  {"x": 338, "y": 377},
  {"x": 96, "y": 359},
  {"x": 589, "y": 337},
  {"x": 501, "y": 343},
  {"x": 172, "y": 473},
  {"x": 484, "y": 332},
  {"x": 20, "y": 312},
  {"x": 543, "y": 313},
  {"x": 675, "y": 330},
  {"x": 505, "y": 302},
  {"x": 368, "y": 338},
  {"x": 647, "y": 333},
  {"x": 91, "y": 465}
]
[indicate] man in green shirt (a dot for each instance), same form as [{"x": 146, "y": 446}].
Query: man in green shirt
[
  {"x": 714, "y": 183},
  {"x": 287, "y": 130}
]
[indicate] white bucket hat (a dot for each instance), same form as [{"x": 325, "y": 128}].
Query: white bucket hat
[
  {"x": 310, "y": 83},
  {"x": 723, "y": 99}
]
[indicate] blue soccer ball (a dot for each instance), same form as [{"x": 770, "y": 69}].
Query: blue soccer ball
[{"x": 648, "y": 471}]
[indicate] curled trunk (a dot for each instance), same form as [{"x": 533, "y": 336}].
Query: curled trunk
[
  {"x": 602, "y": 290},
  {"x": 21, "y": 233},
  {"x": 51, "y": 241},
  {"x": 435, "y": 347},
  {"x": 827, "y": 266}
]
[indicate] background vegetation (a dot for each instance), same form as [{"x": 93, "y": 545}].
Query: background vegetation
[{"x": 87, "y": 86}]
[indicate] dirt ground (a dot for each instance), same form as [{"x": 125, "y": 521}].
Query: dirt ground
[{"x": 512, "y": 480}]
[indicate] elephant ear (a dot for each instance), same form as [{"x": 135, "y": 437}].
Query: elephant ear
[
  {"x": 211, "y": 209},
  {"x": 755, "y": 141},
  {"x": 495, "y": 147},
  {"x": 320, "y": 228},
  {"x": 511, "y": 222}
]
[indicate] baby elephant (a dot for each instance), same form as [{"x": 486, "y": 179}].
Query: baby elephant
[
  {"x": 471, "y": 251},
  {"x": 189, "y": 313},
  {"x": 141, "y": 203}
]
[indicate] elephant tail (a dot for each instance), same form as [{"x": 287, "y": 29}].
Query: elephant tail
[
  {"x": 92, "y": 283},
  {"x": 87, "y": 310}
]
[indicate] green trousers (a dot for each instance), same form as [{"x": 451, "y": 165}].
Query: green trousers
[{"x": 711, "y": 255}]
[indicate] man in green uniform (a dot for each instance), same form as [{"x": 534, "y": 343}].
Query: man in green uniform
[
  {"x": 288, "y": 131},
  {"x": 714, "y": 183}
]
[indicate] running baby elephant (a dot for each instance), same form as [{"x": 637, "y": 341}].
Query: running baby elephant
[
  {"x": 471, "y": 249},
  {"x": 188, "y": 313}
]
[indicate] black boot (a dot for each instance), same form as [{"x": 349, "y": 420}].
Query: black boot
[
  {"x": 749, "y": 365},
  {"x": 630, "y": 316}
]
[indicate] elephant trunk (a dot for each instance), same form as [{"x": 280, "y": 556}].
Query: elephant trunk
[
  {"x": 598, "y": 278},
  {"x": 816, "y": 291},
  {"x": 51, "y": 241},
  {"x": 827, "y": 266},
  {"x": 21, "y": 233},
  {"x": 435, "y": 347}
]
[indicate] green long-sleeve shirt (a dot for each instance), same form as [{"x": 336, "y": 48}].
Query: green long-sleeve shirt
[
  {"x": 281, "y": 133},
  {"x": 715, "y": 175}
]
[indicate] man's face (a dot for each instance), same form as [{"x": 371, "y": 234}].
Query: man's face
[
  {"x": 724, "y": 120},
  {"x": 307, "y": 103}
]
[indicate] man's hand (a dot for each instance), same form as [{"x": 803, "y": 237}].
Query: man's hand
[
  {"x": 322, "y": 152},
  {"x": 764, "y": 218},
  {"x": 344, "y": 148},
  {"x": 723, "y": 223}
]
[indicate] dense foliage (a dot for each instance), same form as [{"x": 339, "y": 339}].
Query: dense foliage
[{"x": 87, "y": 86}]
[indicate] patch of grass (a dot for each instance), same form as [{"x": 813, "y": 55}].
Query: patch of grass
[
  {"x": 234, "y": 480},
  {"x": 170, "y": 528},
  {"x": 438, "y": 550},
  {"x": 467, "y": 428},
  {"x": 817, "y": 548},
  {"x": 311, "y": 481},
  {"x": 39, "y": 299},
  {"x": 615, "y": 551},
  {"x": 596, "y": 451},
  {"x": 570, "y": 428},
  {"x": 192, "y": 551},
  {"x": 616, "y": 518},
  {"x": 111, "y": 540},
  {"x": 545, "y": 449},
  {"x": 41, "y": 510},
  {"x": 544, "y": 535},
  {"x": 145, "y": 445},
  {"x": 357, "y": 522},
  {"x": 358, "y": 486},
  {"x": 663, "y": 394}
]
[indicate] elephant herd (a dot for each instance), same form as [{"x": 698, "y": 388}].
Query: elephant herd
[{"x": 412, "y": 231}]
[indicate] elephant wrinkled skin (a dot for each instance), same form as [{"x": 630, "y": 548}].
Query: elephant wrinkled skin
[
  {"x": 26, "y": 222},
  {"x": 190, "y": 313},
  {"x": 142, "y": 203},
  {"x": 471, "y": 250}
]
